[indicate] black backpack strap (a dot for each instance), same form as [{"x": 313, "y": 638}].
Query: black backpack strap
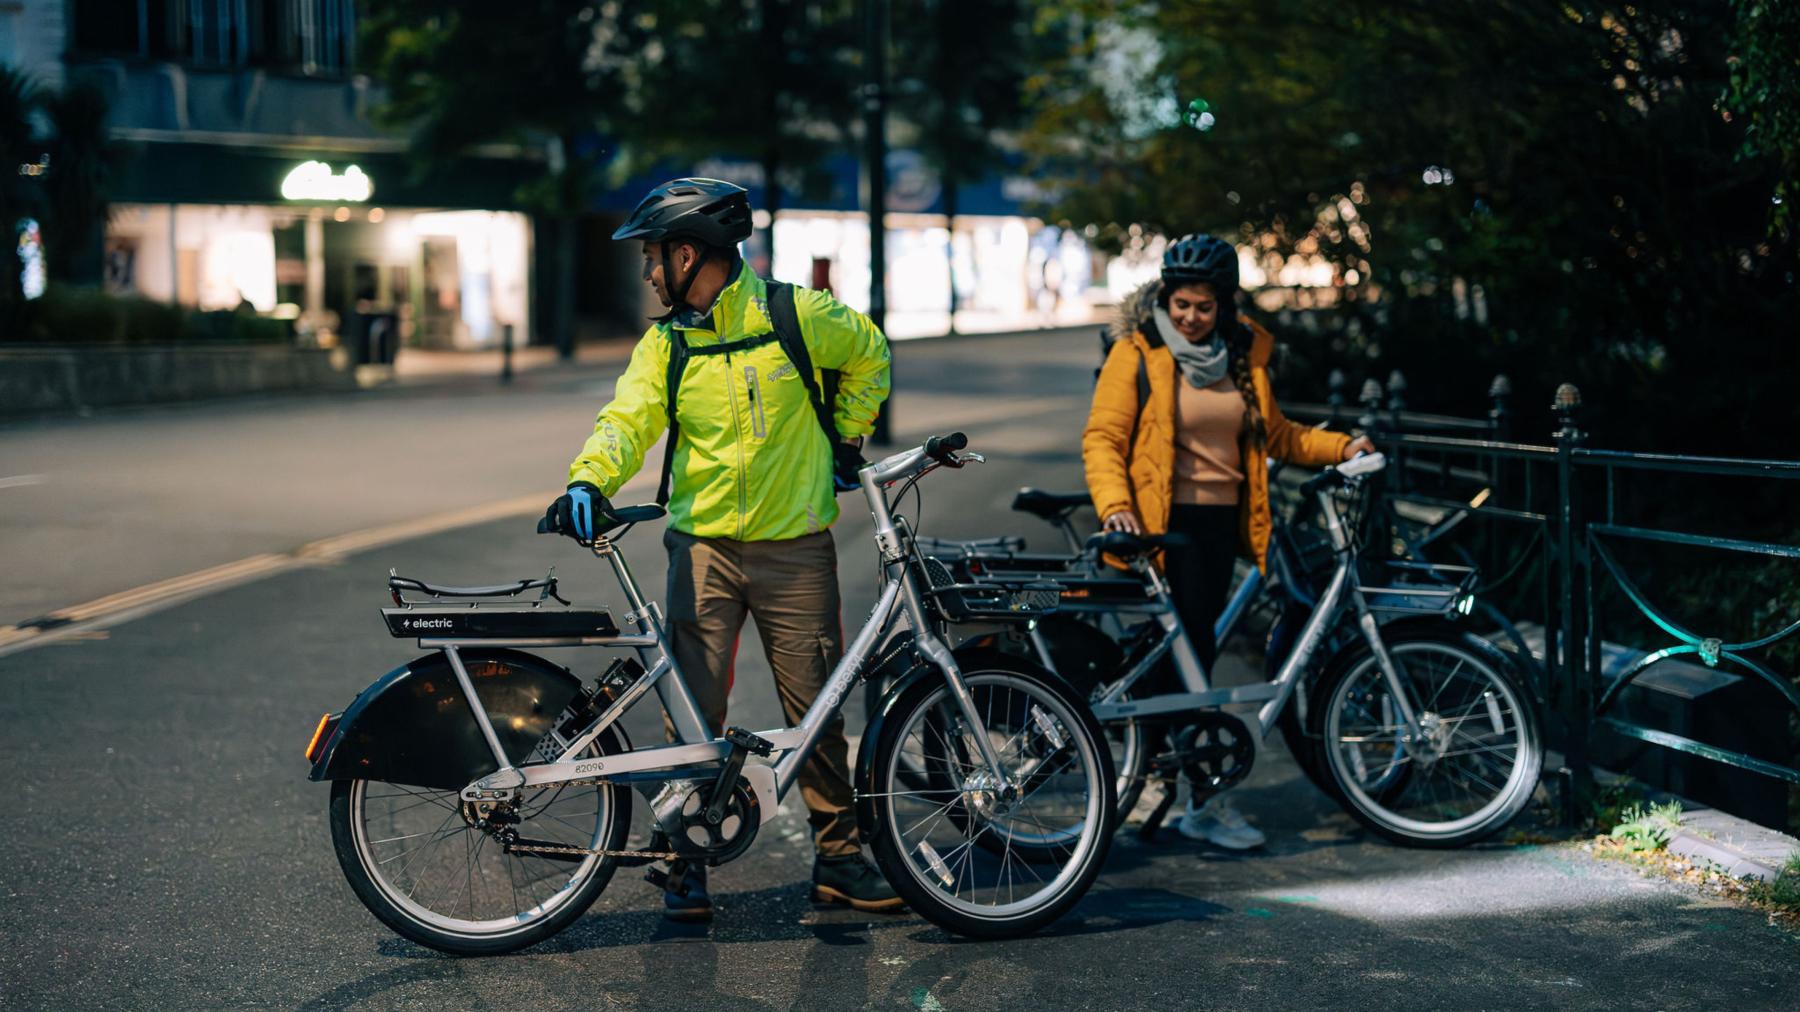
[
  {"x": 678, "y": 356},
  {"x": 786, "y": 321}
]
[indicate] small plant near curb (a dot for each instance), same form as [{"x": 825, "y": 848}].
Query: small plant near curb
[
  {"x": 1783, "y": 894},
  {"x": 1644, "y": 829},
  {"x": 1609, "y": 802}
]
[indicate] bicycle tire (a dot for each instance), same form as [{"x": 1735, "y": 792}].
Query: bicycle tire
[
  {"x": 411, "y": 920},
  {"x": 914, "y": 865},
  {"x": 1376, "y": 805}
]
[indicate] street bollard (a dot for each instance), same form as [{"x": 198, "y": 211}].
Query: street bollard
[{"x": 506, "y": 341}]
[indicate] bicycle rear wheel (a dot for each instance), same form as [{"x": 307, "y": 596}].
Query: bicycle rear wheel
[
  {"x": 1474, "y": 764},
  {"x": 1053, "y": 818},
  {"x": 432, "y": 866}
]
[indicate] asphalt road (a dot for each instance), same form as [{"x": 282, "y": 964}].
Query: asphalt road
[{"x": 165, "y": 850}]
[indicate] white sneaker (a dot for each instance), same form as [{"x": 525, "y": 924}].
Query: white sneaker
[{"x": 1219, "y": 824}]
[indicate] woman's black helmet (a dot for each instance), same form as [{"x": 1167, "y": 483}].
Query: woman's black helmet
[
  {"x": 710, "y": 212},
  {"x": 1201, "y": 259}
]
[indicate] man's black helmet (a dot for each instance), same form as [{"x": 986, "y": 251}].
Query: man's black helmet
[
  {"x": 711, "y": 212},
  {"x": 1201, "y": 259}
]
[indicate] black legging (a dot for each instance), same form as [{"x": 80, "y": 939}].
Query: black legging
[{"x": 1200, "y": 571}]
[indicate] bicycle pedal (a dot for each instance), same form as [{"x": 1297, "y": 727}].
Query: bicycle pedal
[
  {"x": 657, "y": 877},
  {"x": 749, "y": 741},
  {"x": 1154, "y": 820}
]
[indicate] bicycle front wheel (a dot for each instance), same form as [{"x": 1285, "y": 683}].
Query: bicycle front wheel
[
  {"x": 932, "y": 839},
  {"x": 1469, "y": 770}
]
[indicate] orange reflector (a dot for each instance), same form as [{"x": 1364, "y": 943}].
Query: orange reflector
[{"x": 318, "y": 738}]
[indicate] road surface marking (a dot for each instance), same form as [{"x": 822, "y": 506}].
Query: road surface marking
[
  {"x": 23, "y": 479},
  {"x": 138, "y": 601}
]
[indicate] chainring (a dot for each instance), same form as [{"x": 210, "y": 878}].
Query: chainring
[
  {"x": 712, "y": 844},
  {"x": 1216, "y": 751}
]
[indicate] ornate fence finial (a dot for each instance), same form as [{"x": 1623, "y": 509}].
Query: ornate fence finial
[
  {"x": 1500, "y": 405},
  {"x": 1567, "y": 403},
  {"x": 1370, "y": 398}
]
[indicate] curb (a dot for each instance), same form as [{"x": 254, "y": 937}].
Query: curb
[{"x": 1740, "y": 848}]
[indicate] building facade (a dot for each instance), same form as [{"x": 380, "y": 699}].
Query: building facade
[{"x": 252, "y": 177}]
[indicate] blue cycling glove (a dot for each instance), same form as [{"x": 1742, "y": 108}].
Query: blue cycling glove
[{"x": 574, "y": 511}]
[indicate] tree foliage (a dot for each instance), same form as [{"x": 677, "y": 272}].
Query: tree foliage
[
  {"x": 773, "y": 81},
  {"x": 1571, "y": 170},
  {"x": 462, "y": 75}
]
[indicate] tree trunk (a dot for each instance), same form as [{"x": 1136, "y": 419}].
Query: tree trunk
[{"x": 564, "y": 318}]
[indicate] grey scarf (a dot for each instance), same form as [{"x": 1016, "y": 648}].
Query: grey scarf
[{"x": 1202, "y": 364}]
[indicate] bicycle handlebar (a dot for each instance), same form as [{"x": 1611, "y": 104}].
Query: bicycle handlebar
[
  {"x": 1360, "y": 466},
  {"x": 943, "y": 448}
]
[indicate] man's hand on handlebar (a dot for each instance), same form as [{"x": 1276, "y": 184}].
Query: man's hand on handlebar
[
  {"x": 573, "y": 512},
  {"x": 1361, "y": 444}
]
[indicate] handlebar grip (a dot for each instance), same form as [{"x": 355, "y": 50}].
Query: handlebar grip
[
  {"x": 943, "y": 448},
  {"x": 1312, "y": 485}
]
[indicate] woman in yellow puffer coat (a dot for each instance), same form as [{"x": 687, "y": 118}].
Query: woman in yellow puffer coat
[{"x": 1193, "y": 458}]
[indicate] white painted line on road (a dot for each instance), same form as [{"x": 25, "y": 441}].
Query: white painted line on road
[
  {"x": 113, "y": 609},
  {"x": 18, "y": 480}
]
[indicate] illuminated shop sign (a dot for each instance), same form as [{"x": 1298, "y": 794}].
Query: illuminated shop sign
[{"x": 315, "y": 181}]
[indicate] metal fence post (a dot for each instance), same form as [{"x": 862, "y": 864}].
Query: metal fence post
[
  {"x": 1396, "y": 405},
  {"x": 1500, "y": 408},
  {"x": 1370, "y": 398},
  {"x": 1334, "y": 395},
  {"x": 1572, "y": 647},
  {"x": 506, "y": 352}
]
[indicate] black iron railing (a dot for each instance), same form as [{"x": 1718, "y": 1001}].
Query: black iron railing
[{"x": 1553, "y": 547}]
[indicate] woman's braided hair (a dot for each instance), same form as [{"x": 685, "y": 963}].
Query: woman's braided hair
[{"x": 1239, "y": 347}]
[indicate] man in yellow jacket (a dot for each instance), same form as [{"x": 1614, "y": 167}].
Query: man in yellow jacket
[{"x": 753, "y": 463}]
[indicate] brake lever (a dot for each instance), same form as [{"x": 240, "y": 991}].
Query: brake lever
[{"x": 970, "y": 457}]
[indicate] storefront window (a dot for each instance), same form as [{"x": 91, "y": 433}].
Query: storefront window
[{"x": 441, "y": 279}]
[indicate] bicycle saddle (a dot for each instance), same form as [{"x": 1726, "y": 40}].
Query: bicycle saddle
[{"x": 1048, "y": 505}]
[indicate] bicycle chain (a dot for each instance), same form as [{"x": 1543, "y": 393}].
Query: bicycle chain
[{"x": 536, "y": 847}]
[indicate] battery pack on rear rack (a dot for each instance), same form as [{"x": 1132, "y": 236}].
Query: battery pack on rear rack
[{"x": 482, "y": 614}]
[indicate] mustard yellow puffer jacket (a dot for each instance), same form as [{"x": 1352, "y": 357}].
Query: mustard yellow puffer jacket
[{"x": 1142, "y": 476}]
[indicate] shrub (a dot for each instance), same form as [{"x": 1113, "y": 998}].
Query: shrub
[{"x": 75, "y": 315}]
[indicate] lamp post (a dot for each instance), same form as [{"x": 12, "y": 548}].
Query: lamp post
[{"x": 875, "y": 136}]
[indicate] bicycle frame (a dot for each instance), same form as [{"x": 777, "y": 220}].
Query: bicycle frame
[
  {"x": 695, "y": 749},
  {"x": 1340, "y": 592}
]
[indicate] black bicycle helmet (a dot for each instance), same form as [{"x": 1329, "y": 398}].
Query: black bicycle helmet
[
  {"x": 1205, "y": 260},
  {"x": 1201, "y": 259},
  {"x": 710, "y": 212},
  {"x": 713, "y": 214}
]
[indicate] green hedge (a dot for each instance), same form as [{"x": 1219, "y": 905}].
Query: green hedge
[{"x": 73, "y": 315}]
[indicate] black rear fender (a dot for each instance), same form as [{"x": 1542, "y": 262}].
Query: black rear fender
[{"x": 413, "y": 725}]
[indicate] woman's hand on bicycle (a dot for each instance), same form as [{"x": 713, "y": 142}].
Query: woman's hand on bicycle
[
  {"x": 1125, "y": 520},
  {"x": 1361, "y": 444}
]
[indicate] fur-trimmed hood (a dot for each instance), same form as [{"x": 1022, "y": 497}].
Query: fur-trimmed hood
[{"x": 1134, "y": 314}]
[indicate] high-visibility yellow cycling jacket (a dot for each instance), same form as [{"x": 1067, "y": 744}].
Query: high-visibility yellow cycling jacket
[{"x": 751, "y": 462}]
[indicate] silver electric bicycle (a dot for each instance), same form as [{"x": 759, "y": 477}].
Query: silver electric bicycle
[
  {"x": 1422, "y": 730},
  {"x": 481, "y": 795}
]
